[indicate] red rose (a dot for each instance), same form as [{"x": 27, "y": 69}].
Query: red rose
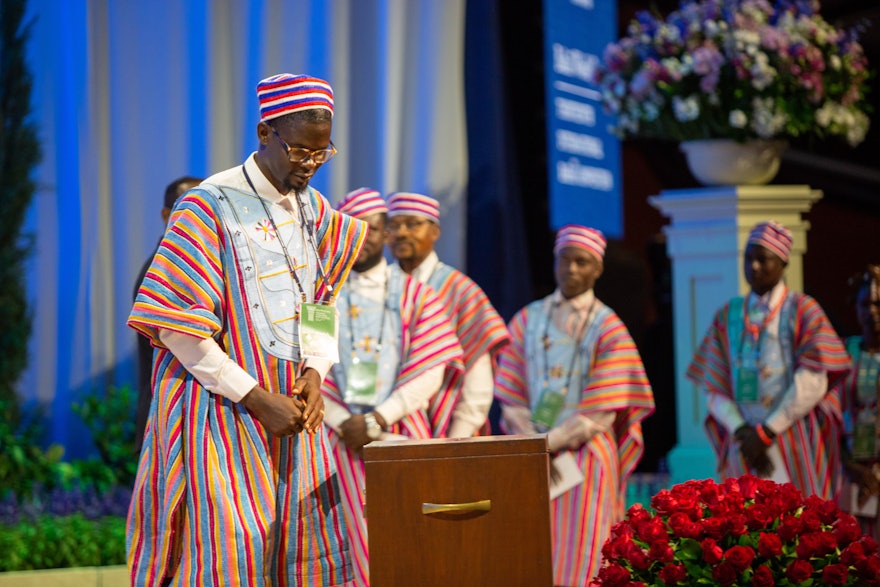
[
  {"x": 724, "y": 574},
  {"x": 869, "y": 567},
  {"x": 846, "y": 529},
  {"x": 637, "y": 513},
  {"x": 809, "y": 545},
  {"x": 682, "y": 526},
  {"x": 852, "y": 555},
  {"x": 748, "y": 486},
  {"x": 789, "y": 528},
  {"x": 673, "y": 574},
  {"x": 740, "y": 557},
  {"x": 759, "y": 517},
  {"x": 763, "y": 577},
  {"x": 651, "y": 530},
  {"x": 769, "y": 545},
  {"x": 736, "y": 524},
  {"x": 661, "y": 551},
  {"x": 835, "y": 574},
  {"x": 715, "y": 528},
  {"x": 637, "y": 557},
  {"x": 799, "y": 570},
  {"x": 614, "y": 575},
  {"x": 712, "y": 553},
  {"x": 810, "y": 520},
  {"x": 826, "y": 510}
]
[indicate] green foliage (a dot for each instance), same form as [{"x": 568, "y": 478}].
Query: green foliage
[
  {"x": 19, "y": 155},
  {"x": 24, "y": 464},
  {"x": 69, "y": 541},
  {"x": 110, "y": 419}
]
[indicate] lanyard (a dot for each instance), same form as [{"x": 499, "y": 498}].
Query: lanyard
[
  {"x": 351, "y": 317},
  {"x": 755, "y": 330},
  {"x": 579, "y": 339},
  {"x": 291, "y": 262}
]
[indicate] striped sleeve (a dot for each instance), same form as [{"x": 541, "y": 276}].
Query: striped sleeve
[
  {"x": 427, "y": 333},
  {"x": 477, "y": 324},
  {"x": 511, "y": 377},
  {"x": 710, "y": 366},
  {"x": 340, "y": 238},
  {"x": 182, "y": 290},
  {"x": 818, "y": 346}
]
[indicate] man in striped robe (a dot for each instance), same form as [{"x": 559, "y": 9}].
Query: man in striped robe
[
  {"x": 573, "y": 371},
  {"x": 768, "y": 365},
  {"x": 413, "y": 228},
  {"x": 395, "y": 346},
  {"x": 236, "y": 482}
]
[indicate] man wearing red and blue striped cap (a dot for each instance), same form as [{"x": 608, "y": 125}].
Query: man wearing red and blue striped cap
[
  {"x": 396, "y": 347},
  {"x": 767, "y": 365},
  {"x": 236, "y": 484},
  {"x": 572, "y": 371},
  {"x": 413, "y": 228}
]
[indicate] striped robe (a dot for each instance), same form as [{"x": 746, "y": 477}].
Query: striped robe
[
  {"x": 581, "y": 518},
  {"x": 427, "y": 340},
  {"x": 476, "y": 323},
  {"x": 217, "y": 499},
  {"x": 810, "y": 448}
]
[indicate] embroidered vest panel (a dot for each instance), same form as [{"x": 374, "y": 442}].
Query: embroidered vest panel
[
  {"x": 361, "y": 320},
  {"x": 773, "y": 358},
  {"x": 272, "y": 295},
  {"x": 548, "y": 369}
]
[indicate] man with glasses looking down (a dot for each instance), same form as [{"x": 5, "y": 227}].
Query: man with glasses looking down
[{"x": 238, "y": 301}]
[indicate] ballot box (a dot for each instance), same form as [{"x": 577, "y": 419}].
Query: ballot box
[{"x": 459, "y": 512}]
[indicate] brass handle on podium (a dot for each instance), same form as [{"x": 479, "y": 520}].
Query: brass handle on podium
[{"x": 460, "y": 508}]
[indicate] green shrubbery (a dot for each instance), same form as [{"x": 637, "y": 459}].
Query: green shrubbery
[{"x": 55, "y": 513}]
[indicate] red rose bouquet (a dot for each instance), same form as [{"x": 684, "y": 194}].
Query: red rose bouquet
[{"x": 744, "y": 532}]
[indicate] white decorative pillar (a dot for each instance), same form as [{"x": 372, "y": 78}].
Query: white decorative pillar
[{"x": 706, "y": 239}]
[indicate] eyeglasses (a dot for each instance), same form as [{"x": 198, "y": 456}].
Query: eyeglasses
[
  {"x": 302, "y": 155},
  {"x": 411, "y": 225}
]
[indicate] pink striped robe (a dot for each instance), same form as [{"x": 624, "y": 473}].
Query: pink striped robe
[
  {"x": 477, "y": 325},
  {"x": 581, "y": 519},
  {"x": 217, "y": 500},
  {"x": 427, "y": 340},
  {"x": 810, "y": 448}
]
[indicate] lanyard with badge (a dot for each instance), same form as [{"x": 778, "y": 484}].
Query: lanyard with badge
[
  {"x": 552, "y": 402},
  {"x": 864, "y": 445},
  {"x": 750, "y": 352},
  {"x": 362, "y": 376},
  {"x": 318, "y": 329}
]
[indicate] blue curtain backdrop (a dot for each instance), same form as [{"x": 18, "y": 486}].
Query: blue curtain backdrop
[{"x": 130, "y": 95}]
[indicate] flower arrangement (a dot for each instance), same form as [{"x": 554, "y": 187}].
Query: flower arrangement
[
  {"x": 745, "y": 531},
  {"x": 736, "y": 69}
]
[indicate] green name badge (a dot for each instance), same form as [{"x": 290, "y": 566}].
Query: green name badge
[
  {"x": 360, "y": 382},
  {"x": 548, "y": 409},
  {"x": 746, "y": 385},
  {"x": 864, "y": 444},
  {"x": 318, "y": 332}
]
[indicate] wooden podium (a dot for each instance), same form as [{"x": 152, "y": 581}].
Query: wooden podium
[{"x": 463, "y": 512}]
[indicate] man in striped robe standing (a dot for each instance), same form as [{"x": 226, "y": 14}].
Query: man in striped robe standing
[
  {"x": 413, "y": 228},
  {"x": 236, "y": 482},
  {"x": 396, "y": 346},
  {"x": 573, "y": 371},
  {"x": 768, "y": 365}
]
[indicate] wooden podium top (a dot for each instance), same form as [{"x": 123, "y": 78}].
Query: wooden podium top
[{"x": 442, "y": 448}]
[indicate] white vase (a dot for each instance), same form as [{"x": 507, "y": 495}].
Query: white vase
[{"x": 727, "y": 162}]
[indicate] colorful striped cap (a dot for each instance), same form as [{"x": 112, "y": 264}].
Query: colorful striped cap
[
  {"x": 409, "y": 204},
  {"x": 772, "y": 236},
  {"x": 362, "y": 202},
  {"x": 575, "y": 235},
  {"x": 286, "y": 93}
]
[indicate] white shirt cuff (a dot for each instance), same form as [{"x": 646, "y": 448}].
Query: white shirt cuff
[
  {"x": 412, "y": 396},
  {"x": 209, "y": 364},
  {"x": 476, "y": 399}
]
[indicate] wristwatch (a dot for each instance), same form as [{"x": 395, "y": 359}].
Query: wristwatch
[{"x": 374, "y": 431}]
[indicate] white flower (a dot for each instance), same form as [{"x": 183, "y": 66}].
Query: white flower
[
  {"x": 686, "y": 109},
  {"x": 738, "y": 119}
]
